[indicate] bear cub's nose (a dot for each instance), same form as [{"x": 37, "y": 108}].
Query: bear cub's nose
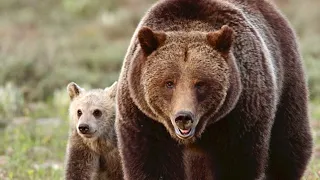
[
  {"x": 84, "y": 128},
  {"x": 184, "y": 120}
]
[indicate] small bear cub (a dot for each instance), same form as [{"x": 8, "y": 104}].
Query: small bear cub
[{"x": 92, "y": 145}]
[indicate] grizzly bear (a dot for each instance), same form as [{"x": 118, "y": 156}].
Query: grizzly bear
[
  {"x": 92, "y": 145},
  {"x": 213, "y": 89}
]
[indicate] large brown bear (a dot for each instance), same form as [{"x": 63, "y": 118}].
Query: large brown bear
[{"x": 213, "y": 89}]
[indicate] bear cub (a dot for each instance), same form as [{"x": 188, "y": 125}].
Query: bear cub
[{"x": 92, "y": 145}]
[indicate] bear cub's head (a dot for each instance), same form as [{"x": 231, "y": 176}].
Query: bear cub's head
[
  {"x": 92, "y": 112},
  {"x": 181, "y": 79}
]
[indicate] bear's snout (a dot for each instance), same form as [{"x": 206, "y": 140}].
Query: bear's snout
[
  {"x": 184, "y": 124},
  {"x": 84, "y": 128},
  {"x": 184, "y": 120}
]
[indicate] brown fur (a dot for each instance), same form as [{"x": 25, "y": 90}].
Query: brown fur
[
  {"x": 92, "y": 156},
  {"x": 235, "y": 66}
]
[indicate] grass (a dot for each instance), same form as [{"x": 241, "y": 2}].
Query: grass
[
  {"x": 313, "y": 172},
  {"x": 46, "y": 44},
  {"x": 34, "y": 146},
  {"x": 34, "y": 153}
]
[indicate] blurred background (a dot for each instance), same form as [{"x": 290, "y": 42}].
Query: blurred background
[{"x": 46, "y": 44}]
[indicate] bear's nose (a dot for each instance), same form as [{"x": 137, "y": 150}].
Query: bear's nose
[
  {"x": 83, "y": 128},
  {"x": 184, "y": 119}
]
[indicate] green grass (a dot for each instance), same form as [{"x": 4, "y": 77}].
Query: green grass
[
  {"x": 313, "y": 171},
  {"x": 46, "y": 44},
  {"x": 30, "y": 147},
  {"x": 34, "y": 146}
]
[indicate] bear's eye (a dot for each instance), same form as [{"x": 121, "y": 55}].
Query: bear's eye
[
  {"x": 169, "y": 84},
  {"x": 97, "y": 113},
  {"x": 199, "y": 85},
  {"x": 79, "y": 112}
]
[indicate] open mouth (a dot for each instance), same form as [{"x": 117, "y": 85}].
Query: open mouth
[{"x": 184, "y": 133}]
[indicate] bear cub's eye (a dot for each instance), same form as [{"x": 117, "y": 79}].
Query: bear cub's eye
[
  {"x": 79, "y": 112},
  {"x": 97, "y": 113},
  {"x": 169, "y": 84}
]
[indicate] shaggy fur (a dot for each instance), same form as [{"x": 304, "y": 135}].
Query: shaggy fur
[
  {"x": 235, "y": 67},
  {"x": 92, "y": 156}
]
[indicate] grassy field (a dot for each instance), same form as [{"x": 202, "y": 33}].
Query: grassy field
[{"x": 46, "y": 44}]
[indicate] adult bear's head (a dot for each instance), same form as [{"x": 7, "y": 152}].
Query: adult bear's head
[{"x": 184, "y": 80}]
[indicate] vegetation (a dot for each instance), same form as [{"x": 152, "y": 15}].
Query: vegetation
[{"x": 46, "y": 44}]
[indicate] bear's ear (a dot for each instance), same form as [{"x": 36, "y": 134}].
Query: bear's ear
[
  {"x": 74, "y": 90},
  {"x": 221, "y": 39},
  {"x": 112, "y": 90},
  {"x": 150, "y": 40}
]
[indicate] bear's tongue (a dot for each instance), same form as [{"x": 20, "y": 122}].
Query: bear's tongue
[{"x": 185, "y": 131}]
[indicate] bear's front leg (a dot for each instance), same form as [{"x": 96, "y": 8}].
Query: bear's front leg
[
  {"x": 198, "y": 164},
  {"x": 148, "y": 152},
  {"x": 234, "y": 150},
  {"x": 81, "y": 162}
]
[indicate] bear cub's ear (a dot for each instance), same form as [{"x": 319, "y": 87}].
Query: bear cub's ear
[
  {"x": 221, "y": 39},
  {"x": 150, "y": 40},
  {"x": 112, "y": 90},
  {"x": 74, "y": 90}
]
